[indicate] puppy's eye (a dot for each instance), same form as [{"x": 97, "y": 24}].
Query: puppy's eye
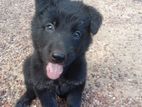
[
  {"x": 77, "y": 35},
  {"x": 49, "y": 27}
]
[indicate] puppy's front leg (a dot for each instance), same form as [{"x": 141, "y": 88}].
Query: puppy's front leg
[
  {"x": 47, "y": 99},
  {"x": 26, "y": 99},
  {"x": 74, "y": 97}
]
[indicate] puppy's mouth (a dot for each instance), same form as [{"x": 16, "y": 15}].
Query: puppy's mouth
[{"x": 54, "y": 70}]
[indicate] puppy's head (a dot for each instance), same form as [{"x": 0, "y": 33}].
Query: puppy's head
[{"x": 61, "y": 32}]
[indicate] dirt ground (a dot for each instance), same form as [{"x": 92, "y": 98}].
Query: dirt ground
[{"x": 114, "y": 58}]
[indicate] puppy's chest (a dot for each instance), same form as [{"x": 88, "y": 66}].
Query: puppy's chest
[{"x": 63, "y": 87}]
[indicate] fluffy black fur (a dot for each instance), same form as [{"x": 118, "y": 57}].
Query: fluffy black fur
[{"x": 66, "y": 26}]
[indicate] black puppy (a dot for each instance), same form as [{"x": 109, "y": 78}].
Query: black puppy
[{"x": 61, "y": 34}]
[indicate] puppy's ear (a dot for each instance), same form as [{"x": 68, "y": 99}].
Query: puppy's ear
[
  {"x": 96, "y": 20},
  {"x": 42, "y": 4}
]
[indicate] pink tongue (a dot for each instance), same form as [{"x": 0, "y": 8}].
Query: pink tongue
[{"x": 54, "y": 70}]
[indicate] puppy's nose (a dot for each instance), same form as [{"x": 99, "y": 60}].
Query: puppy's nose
[{"x": 58, "y": 57}]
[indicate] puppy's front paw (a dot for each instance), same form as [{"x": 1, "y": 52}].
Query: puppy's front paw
[
  {"x": 22, "y": 103},
  {"x": 19, "y": 104}
]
